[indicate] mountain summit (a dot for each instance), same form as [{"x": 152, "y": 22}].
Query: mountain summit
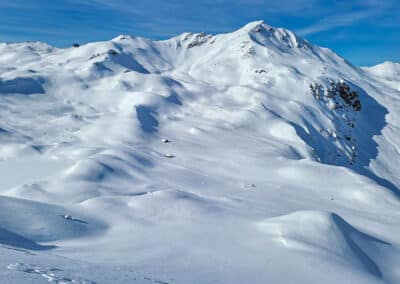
[{"x": 244, "y": 157}]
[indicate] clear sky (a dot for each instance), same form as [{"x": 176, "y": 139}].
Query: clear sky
[{"x": 366, "y": 32}]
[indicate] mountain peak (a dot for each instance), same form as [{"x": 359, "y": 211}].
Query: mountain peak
[
  {"x": 255, "y": 26},
  {"x": 265, "y": 34}
]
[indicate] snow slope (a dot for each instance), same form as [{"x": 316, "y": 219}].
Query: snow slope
[
  {"x": 197, "y": 159},
  {"x": 389, "y": 72}
]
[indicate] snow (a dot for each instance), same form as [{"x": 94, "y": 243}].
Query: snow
[
  {"x": 197, "y": 159},
  {"x": 389, "y": 72}
]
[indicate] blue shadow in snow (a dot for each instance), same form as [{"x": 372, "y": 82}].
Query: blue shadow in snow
[
  {"x": 174, "y": 99},
  {"x": 25, "y": 86},
  {"x": 129, "y": 63},
  {"x": 347, "y": 231},
  {"x": 147, "y": 119},
  {"x": 371, "y": 120},
  {"x": 12, "y": 239}
]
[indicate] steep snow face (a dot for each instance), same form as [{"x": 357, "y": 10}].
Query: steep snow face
[{"x": 231, "y": 158}]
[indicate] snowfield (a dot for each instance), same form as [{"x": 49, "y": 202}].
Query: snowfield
[{"x": 247, "y": 157}]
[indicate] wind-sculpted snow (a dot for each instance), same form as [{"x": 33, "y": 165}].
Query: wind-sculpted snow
[
  {"x": 328, "y": 237},
  {"x": 42, "y": 222},
  {"x": 197, "y": 159}
]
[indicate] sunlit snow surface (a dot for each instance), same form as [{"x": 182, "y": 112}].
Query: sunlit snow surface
[{"x": 198, "y": 159}]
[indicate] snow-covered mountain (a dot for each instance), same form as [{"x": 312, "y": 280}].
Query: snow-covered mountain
[
  {"x": 388, "y": 71},
  {"x": 248, "y": 157}
]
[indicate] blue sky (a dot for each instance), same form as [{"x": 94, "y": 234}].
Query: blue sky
[{"x": 366, "y": 32}]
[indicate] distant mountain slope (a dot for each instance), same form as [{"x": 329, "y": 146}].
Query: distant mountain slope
[
  {"x": 247, "y": 157},
  {"x": 388, "y": 72}
]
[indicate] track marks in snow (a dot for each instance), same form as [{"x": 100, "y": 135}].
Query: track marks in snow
[{"x": 51, "y": 274}]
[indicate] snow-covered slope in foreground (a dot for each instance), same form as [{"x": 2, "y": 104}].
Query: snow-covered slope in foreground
[{"x": 248, "y": 157}]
